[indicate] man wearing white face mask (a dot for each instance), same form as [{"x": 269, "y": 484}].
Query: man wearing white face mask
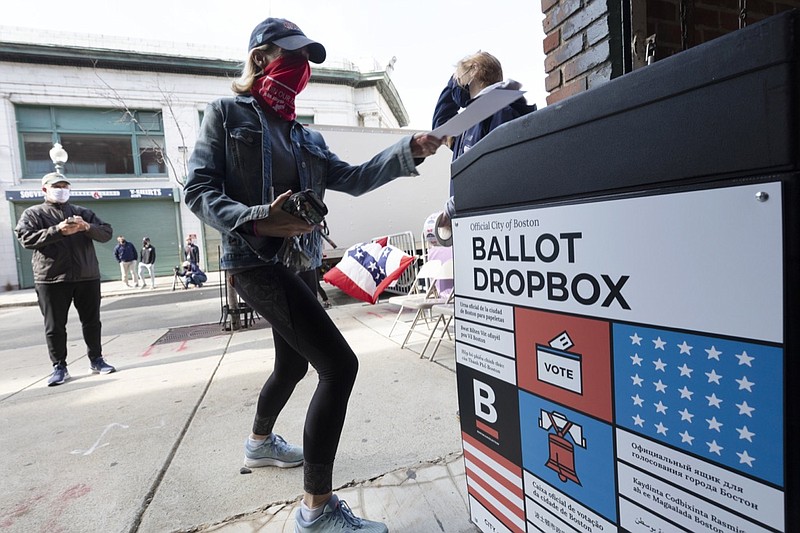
[{"x": 65, "y": 271}]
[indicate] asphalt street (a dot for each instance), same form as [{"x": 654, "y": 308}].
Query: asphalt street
[{"x": 128, "y": 313}]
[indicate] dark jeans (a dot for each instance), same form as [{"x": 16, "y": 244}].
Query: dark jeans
[
  {"x": 54, "y": 302},
  {"x": 303, "y": 334},
  {"x": 197, "y": 278}
]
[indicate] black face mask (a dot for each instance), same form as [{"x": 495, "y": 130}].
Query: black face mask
[{"x": 460, "y": 95}]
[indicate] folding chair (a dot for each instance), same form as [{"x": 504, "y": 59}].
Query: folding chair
[
  {"x": 425, "y": 305},
  {"x": 422, "y": 288},
  {"x": 444, "y": 315}
]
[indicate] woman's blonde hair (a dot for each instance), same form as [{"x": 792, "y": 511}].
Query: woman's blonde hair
[
  {"x": 480, "y": 67},
  {"x": 251, "y": 69}
]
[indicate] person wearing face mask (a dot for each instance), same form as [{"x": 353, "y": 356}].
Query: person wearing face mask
[
  {"x": 475, "y": 75},
  {"x": 65, "y": 271},
  {"x": 191, "y": 252},
  {"x": 250, "y": 155},
  {"x": 147, "y": 263}
]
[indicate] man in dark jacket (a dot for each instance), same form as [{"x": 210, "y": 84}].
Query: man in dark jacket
[
  {"x": 65, "y": 271},
  {"x": 125, "y": 254},
  {"x": 191, "y": 252}
]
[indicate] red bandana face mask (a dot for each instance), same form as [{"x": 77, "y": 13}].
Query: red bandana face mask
[{"x": 282, "y": 80}]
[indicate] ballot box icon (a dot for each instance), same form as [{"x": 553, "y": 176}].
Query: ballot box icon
[
  {"x": 561, "y": 458},
  {"x": 558, "y": 367}
]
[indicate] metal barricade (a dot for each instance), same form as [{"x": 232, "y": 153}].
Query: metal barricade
[{"x": 404, "y": 241}]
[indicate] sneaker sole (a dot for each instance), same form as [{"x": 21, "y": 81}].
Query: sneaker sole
[
  {"x": 93, "y": 371},
  {"x": 258, "y": 463}
]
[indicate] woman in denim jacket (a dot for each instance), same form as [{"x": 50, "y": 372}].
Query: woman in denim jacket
[{"x": 250, "y": 155}]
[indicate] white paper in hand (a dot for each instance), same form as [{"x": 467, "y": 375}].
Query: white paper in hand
[{"x": 483, "y": 107}]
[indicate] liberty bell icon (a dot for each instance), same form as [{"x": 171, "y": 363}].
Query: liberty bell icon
[{"x": 562, "y": 451}]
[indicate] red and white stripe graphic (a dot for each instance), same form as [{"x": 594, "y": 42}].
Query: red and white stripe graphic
[{"x": 495, "y": 482}]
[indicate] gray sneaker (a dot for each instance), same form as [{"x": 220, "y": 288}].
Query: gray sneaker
[
  {"x": 273, "y": 452},
  {"x": 59, "y": 375},
  {"x": 99, "y": 366},
  {"x": 337, "y": 517}
]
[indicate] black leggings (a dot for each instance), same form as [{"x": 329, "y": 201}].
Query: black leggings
[{"x": 303, "y": 334}]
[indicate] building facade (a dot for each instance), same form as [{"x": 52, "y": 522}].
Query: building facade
[{"x": 128, "y": 114}]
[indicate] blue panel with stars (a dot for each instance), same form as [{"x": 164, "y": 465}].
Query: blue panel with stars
[{"x": 719, "y": 399}]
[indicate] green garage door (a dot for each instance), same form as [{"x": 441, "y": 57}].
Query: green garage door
[
  {"x": 213, "y": 240},
  {"x": 135, "y": 219}
]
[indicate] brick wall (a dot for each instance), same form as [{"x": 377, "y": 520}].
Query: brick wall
[
  {"x": 577, "y": 46},
  {"x": 584, "y": 43},
  {"x": 704, "y": 20}
]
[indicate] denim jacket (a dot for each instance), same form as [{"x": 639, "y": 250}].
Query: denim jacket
[{"x": 229, "y": 180}]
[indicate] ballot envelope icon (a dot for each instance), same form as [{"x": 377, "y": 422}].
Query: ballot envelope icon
[{"x": 559, "y": 368}]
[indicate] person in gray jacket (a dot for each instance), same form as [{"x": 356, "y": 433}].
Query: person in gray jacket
[
  {"x": 250, "y": 156},
  {"x": 65, "y": 271}
]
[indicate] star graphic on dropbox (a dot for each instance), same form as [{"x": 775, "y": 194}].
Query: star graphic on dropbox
[
  {"x": 713, "y": 401},
  {"x": 745, "y": 458},
  {"x": 713, "y": 353},
  {"x": 713, "y": 447},
  {"x": 745, "y": 384},
  {"x": 714, "y": 424},
  {"x": 713, "y": 376},
  {"x": 744, "y": 359},
  {"x": 745, "y": 409},
  {"x": 745, "y": 434}
]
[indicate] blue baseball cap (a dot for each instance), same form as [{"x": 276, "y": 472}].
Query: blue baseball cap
[{"x": 288, "y": 36}]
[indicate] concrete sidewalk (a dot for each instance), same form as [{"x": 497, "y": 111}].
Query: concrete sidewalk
[{"x": 158, "y": 446}]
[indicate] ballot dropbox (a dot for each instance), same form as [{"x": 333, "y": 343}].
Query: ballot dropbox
[{"x": 626, "y": 277}]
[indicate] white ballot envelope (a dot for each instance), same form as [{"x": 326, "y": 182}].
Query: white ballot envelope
[{"x": 485, "y": 106}]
